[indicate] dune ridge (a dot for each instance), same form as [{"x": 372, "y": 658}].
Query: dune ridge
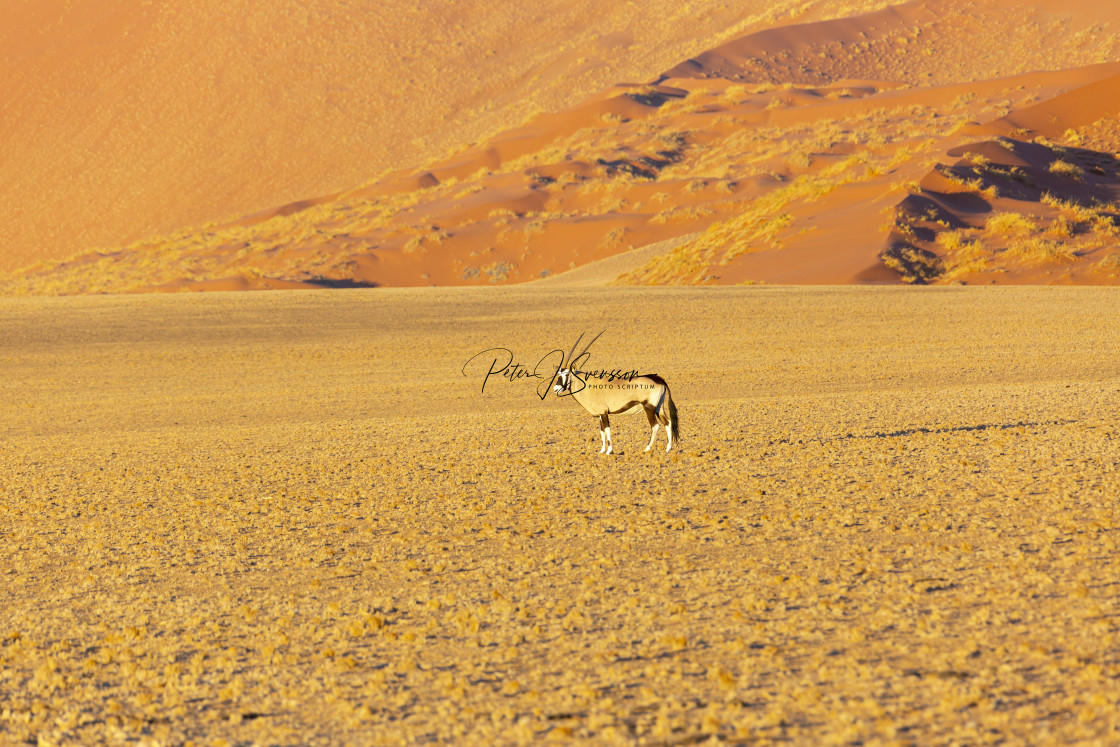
[{"x": 823, "y": 150}]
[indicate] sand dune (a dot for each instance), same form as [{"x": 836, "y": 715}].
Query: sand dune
[
  {"x": 1077, "y": 109},
  {"x": 782, "y": 52},
  {"x": 124, "y": 122},
  {"x": 796, "y": 153}
]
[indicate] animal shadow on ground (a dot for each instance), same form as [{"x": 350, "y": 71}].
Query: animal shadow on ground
[
  {"x": 954, "y": 429},
  {"x": 905, "y": 432}
]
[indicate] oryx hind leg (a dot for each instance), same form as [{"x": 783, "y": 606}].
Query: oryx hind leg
[{"x": 653, "y": 418}]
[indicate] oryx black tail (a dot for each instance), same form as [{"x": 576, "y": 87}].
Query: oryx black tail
[
  {"x": 667, "y": 403},
  {"x": 674, "y": 423}
]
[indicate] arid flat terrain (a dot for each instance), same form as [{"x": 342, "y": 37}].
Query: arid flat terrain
[{"x": 290, "y": 518}]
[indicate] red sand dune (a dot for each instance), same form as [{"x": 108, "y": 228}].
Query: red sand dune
[
  {"x": 134, "y": 118},
  {"x": 783, "y": 50},
  {"x": 1081, "y": 107},
  {"x": 795, "y": 153}
]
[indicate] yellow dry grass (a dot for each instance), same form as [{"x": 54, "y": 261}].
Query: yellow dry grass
[
  {"x": 1071, "y": 232},
  {"x": 289, "y": 518}
]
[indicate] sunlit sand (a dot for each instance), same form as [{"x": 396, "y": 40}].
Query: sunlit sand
[{"x": 290, "y": 518}]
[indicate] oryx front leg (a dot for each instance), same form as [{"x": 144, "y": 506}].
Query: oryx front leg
[{"x": 605, "y": 433}]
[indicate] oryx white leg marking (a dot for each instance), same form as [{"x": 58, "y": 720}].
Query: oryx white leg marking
[
  {"x": 610, "y": 446},
  {"x": 653, "y": 436},
  {"x": 669, "y": 433}
]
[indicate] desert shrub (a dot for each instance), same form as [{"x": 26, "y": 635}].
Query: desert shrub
[
  {"x": 736, "y": 91},
  {"x": 1062, "y": 167},
  {"x": 1052, "y": 200},
  {"x": 614, "y": 236},
  {"x": 1014, "y": 224},
  {"x": 1040, "y": 249},
  {"x": 913, "y": 265},
  {"x": 681, "y": 213},
  {"x": 800, "y": 160},
  {"x": 1110, "y": 263},
  {"x": 971, "y": 258},
  {"x": 1106, "y": 224},
  {"x": 952, "y": 240},
  {"x": 1060, "y": 228},
  {"x": 499, "y": 271}
]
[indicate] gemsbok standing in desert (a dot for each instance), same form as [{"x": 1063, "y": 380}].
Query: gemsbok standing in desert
[{"x": 604, "y": 396}]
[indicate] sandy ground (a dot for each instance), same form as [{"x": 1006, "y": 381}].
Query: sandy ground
[{"x": 289, "y": 518}]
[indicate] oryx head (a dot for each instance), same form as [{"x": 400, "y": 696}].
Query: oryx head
[
  {"x": 564, "y": 376},
  {"x": 563, "y": 381}
]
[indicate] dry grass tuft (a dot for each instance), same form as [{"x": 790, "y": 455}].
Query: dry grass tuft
[
  {"x": 1010, "y": 224},
  {"x": 1039, "y": 249},
  {"x": 1064, "y": 168}
]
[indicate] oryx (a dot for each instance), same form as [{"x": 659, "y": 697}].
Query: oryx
[{"x": 606, "y": 395}]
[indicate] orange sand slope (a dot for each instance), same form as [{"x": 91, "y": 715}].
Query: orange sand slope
[
  {"x": 138, "y": 118},
  {"x": 892, "y": 145}
]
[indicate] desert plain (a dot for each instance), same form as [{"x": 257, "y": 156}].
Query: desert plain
[{"x": 291, "y": 518}]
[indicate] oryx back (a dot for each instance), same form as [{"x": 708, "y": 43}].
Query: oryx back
[{"x": 604, "y": 397}]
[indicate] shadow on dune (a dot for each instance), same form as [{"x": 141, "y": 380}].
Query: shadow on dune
[
  {"x": 1044, "y": 184},
  {"x": 340, "y": 283}
]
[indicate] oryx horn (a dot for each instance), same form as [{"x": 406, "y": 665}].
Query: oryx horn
[
  {"x": 572, "y": 352},
  {"x": 588, "y": 345}
]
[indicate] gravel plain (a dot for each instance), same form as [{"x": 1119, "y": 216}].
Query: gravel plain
[{"x": 291, "y": 518}]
